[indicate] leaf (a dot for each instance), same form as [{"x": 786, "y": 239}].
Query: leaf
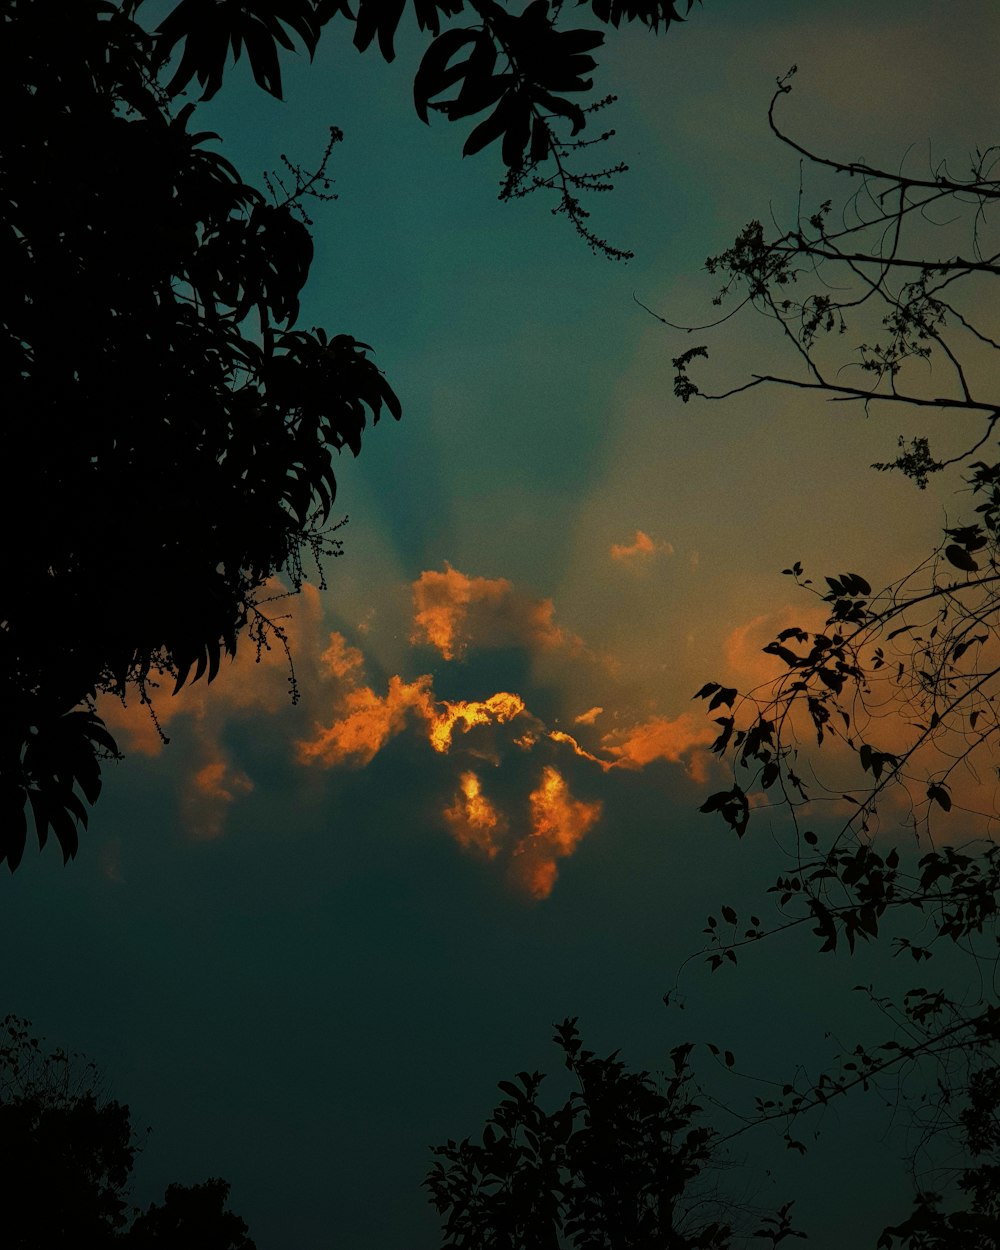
[
  {"x": 492, "y": 128},
  {"x": 961, "y": 559},
  {"x": 433, "y": 74},
  {"x": 518, "y": 134},
  {"x": 381, "y": 17},
  {"x": 723, "y": 695},
  {"x": 938, "y": 794},
  {"x": 481, "y": 88}
]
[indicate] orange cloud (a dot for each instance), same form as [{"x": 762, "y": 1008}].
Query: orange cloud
[
  {"x": 639, "y": 549},
  {"x": 368, "y": 722},
  {"x": 558, "y": 824},
  {"x": 340, "y": 659},
  {"x": 659, "y": 739},
  {"x": 206, "y": 800},
  {"x": 557, "y": 735},
  {"x": 678, "y": 741},
  {"x": 453, "y": 610},
  {"x": 498, "y": 707},
  {"x": 473, "y": 820},
  {"x": 748, "y": 663},
  {"x": 254, "y": 683},
  {"x": 588, "y": 717}
]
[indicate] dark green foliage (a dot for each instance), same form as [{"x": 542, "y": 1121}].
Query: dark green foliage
[
  {"x": 176, "y": 435},
  {"x": 68, "y": 1153},
  {"x": 192, "y": 1216},
  {"x": 615, "y": 1166}
]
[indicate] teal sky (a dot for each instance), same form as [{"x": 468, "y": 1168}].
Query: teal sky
[{"x": 291, "y": 960}]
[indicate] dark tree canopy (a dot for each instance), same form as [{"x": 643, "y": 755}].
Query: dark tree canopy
[
  {"x": 175, "y": 432},
  {"x": 616, "y": 1166},
  {"x": 68, "y": 1152},
  {"x": 190, "y": 1215}
]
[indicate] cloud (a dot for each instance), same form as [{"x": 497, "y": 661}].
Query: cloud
[
  {"x": 355, "y": 716},
  {"x": 891, "y": 717},
  {"x": 748, "y": 664},
  {"x": 640, "y": 550},
  {"x": 453, "y": 611},
  {"x": 367, "y": 722},
  {"x": 340, "y": 659},
  {"x": 679, "y": 741},
  {"x": 364, "y": 722},
  {"x": 206, "y": 800},
  {"x": 661, "y": 738},
  {"x": 463, "y": 715},
  {"x": 558, "y": 824},
  {"x": 255, "y": 683},
  {"x": 474, "y": 822}
]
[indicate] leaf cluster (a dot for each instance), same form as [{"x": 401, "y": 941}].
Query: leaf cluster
[
  {"x": 68, "y": 1156},
  {"x": 614, "y": 1165},
  {"x": 176, "y": 432},
  {"x": 516, "y": 66}
]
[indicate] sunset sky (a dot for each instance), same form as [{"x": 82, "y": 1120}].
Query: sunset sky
[{"x": 305, "y": 941}]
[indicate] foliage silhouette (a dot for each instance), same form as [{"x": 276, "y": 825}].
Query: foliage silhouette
[
  {"x": 68, "y": 1154},
  {"x": 177, "y": 432},
  {"x": 615, "y": 1166},
  {"x": 190, "y": 1215},
  {"x": 900, "y": 685},
  {"x": 538, "y": 65}
]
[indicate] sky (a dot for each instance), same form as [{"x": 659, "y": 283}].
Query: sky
[{"x": 305, "y": 941}]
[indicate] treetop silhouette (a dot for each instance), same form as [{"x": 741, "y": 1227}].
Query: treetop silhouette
[{"x": 68, "y": 1153}]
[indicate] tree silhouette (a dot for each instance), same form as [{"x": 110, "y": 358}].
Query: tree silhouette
[
  {"x": 176, "y": 432},
  {"x": 68, "y": 1154},
  {"x": 190, "y": 1215},
  {"x": 902, "y": 682},
  {"x": 615, "y": 1166}
]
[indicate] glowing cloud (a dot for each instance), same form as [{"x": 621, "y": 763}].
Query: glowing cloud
[
  {"x": 452, "y": 610},
  {"x": 558, "y": 823},
  {"x": 660, "y": 739},
  {"x": 677, "y": 741},
  {"x": 368, "y": 722},
  {"x": 340, "y": 659},
  {"x": 498, "y": 707},
  {"x": 206, "y": 801},
  {"x": 473, "y": 820},
  {"x": 641, "y": 548},
  {"x": 588, "y": 717},
  {"x": 557, "y": 735}
]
